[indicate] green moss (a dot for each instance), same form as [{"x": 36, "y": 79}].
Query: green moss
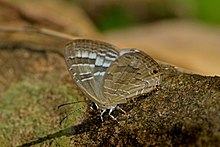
[
  {"x": 29, "y": 110},
  {"x": 64, "y": 141}
]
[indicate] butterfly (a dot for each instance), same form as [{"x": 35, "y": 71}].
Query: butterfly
[{"x": 109, "y": 76}]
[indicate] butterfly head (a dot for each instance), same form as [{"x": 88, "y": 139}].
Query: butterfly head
[
  {"x": 156, "y": 74},
  {"x": 93, "y": 106}
]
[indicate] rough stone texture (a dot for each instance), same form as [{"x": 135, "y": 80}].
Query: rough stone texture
[{"x": 183, "y": 111}]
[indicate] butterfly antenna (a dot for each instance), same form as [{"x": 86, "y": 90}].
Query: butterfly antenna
[
  {"x": 70, "y": 103},
  {"x": 69, "y": 114},
  {"x": 65, "y": 117}
]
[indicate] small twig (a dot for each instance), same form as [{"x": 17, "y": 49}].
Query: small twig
[{"x": 32, "y": 29}]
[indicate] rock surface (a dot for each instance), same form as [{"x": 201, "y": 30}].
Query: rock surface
[{"x": 184, "y": 110}]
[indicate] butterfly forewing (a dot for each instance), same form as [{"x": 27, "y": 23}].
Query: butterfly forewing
[
  {"x": 87, "y": 62},
  {"x": 132, "y": 74}
]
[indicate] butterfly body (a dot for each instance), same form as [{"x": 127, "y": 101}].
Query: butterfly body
[{"x": 109, "y": 76}]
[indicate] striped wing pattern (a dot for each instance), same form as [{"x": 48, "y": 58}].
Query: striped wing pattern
[
  {"x": 133, "y": 73},
  {"x": 107, "y": 75},
  {"x": 87, "y": 62}
]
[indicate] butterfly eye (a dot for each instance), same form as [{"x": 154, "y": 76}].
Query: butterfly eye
[{"x": 155, "y": 71}]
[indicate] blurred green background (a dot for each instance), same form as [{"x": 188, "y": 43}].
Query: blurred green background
[
  {"x": 208, "y": 11},
  {"x": 112, "y": 14}
]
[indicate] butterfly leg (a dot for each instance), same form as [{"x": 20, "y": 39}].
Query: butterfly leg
[
  {"x": 119, "y": 108},
  {"x": 102, "y": 114},
  {"x": 110, "y": 111}
]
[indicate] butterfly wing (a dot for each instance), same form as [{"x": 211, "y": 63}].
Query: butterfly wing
[
  {"x": 87, "y": 61},
  {"x": 133, "y": 73}
]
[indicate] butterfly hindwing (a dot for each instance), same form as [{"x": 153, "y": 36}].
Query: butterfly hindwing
[{"x": 131, "y": 74}]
